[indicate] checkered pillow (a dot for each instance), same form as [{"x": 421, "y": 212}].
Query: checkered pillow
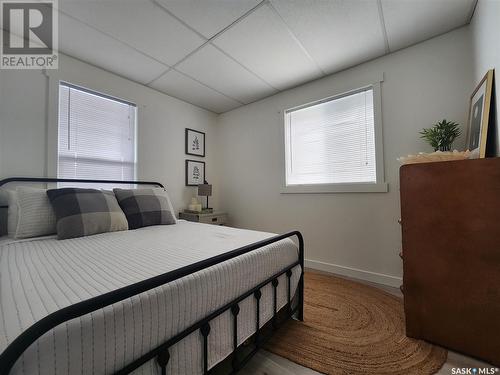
[
  {"x": 83, "y": 212},
  {"x": 145, "y": 207}
]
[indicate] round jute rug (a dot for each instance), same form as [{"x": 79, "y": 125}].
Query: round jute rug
[{"x": 351, "y": 328}]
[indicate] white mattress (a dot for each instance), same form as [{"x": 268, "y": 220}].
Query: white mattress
[{"x": 43, "y": 275}]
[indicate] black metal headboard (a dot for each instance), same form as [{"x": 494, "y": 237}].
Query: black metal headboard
[{"x": 51, "y": 179}]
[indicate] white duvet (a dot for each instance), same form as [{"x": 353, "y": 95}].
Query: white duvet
[{"x": 43, "y": 275}]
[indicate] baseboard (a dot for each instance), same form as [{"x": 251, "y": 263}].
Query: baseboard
[{"x": 373, "y": 277}]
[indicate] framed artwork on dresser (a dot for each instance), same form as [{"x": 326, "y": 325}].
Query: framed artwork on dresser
[{"x": 479, "y": 115}]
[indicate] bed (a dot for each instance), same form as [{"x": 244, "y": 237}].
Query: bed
[{"x": 176, "y": 299}]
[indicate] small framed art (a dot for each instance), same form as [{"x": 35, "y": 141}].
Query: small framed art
[
  {"x": 195, "y": 172},
  {"x": 479, "y": 114},
  {"x": 195, "y": 142}
]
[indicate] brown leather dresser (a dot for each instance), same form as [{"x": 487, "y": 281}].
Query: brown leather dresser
[{"x": 450, "y": 221}]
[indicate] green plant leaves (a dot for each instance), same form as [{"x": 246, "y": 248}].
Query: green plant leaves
[{"x": 441, "y": 135}]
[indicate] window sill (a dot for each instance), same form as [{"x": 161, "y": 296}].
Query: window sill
[{"x": 335, "y": 188}]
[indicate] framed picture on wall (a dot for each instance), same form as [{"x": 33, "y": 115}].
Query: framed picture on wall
[
  {"x": 195, "y": 172},
  {"x": 479, "y": 114},
  {"x": 195, "y": 142}
]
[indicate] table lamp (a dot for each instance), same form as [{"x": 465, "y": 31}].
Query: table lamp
[{"x": 205, "y": 190}]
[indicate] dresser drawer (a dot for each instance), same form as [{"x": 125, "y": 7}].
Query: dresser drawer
[{"x": 213, "y": 219}]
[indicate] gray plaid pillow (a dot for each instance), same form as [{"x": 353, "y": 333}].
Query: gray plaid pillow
[
  {"x": 145, "y": 207},
  {"x": 83, "y": 212}
]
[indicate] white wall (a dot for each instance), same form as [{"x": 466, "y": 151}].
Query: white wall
[
  {"x": 423, "y": 84},
  {"x": 28, "y": 125},
  {"x": 485, "y": 30}
]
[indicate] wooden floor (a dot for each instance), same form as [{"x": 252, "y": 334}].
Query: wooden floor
[{"x": 265, "y": 363}]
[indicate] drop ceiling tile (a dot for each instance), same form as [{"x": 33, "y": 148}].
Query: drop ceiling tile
[
  {"x": 178, "y": 85},
  {"x": 336, "y": 33},
  {"x": 412, "y": 21},
  {"x": 264, "y": 44},
  {"x": 216, "y": 70},
  {"x": 209, "y": 17},
  {"x": 140, "y": 23},
  {"x": 87, "y": 44}
]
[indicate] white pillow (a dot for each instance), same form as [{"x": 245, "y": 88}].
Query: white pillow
[
  {"x": 10, "y": 200},
  {"x": 36, "y": 216}
]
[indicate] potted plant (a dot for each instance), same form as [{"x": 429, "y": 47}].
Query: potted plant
[{"x": 441, "y": 135}]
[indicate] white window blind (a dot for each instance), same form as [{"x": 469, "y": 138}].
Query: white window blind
[
  {"x": 96, "y": 136},
  {"x": 332, "y": 141}
]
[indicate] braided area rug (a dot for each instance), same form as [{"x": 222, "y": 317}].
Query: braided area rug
[{"x": 352, "y": 328}]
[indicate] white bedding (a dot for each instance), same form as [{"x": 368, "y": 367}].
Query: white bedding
[{"x": 43, "y": 275}]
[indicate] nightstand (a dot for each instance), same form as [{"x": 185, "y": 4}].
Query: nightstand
[{"x": 216, "y": 218}]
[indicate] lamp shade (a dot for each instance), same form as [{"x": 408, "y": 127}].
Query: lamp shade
[{"x": 205, "y": 190}]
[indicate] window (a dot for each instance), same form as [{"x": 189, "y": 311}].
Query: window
[
  {"x": 330, "y": 145},
  {"x": 96, "y": 136}
]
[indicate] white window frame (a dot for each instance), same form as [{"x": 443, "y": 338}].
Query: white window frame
[
  {"x": 92, "y": 82},
  {"x": 380, "y": 186},
  {"x": 101, "y": 95}
]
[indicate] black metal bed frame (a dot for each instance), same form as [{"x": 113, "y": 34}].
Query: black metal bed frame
[{"x": 17, "y": 347}]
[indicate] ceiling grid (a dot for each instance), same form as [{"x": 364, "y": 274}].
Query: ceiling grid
[{"x": 221, "y": 54}]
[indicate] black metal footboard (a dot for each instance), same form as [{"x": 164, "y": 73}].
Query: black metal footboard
[{"x": 15, "y": 350}]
